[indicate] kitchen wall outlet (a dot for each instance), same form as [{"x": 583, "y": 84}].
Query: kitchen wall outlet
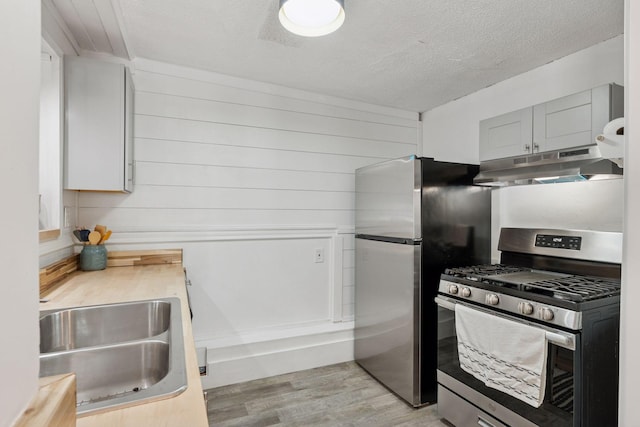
[
  {"x": 319, "y": 255},
  {"x": 67, "y": 216}
]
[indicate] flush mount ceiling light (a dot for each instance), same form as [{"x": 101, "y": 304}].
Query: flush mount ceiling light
[{"x": 311, "y": 18}]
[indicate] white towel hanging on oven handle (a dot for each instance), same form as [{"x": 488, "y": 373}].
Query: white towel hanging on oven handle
[{"x": 506, "y": 355}]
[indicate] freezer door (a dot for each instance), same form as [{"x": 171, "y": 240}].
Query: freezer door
[
  {"x": 388, "y": 199},
  {"x": 387, "y": 315}
]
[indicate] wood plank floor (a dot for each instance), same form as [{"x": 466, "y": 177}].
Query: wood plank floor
[{"x": 336, "y": 395}]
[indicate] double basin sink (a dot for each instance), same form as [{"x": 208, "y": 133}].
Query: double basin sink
[{"x": 122, "y": 354}]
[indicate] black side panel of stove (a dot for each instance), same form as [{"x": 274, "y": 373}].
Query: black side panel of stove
[
  {"x": 562, "y": 265},
  {"x": 597, "y": 381},
  {"x": 456, "y": 231}
]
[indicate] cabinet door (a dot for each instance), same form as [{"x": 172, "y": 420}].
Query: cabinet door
[
  {"x": 506, "y": 135},
  {"x": 95, "y": 125},
  {"x": 129, "y": 175},
  {"x": 563, "y": 123}
]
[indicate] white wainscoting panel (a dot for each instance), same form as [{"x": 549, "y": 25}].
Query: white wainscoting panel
[
  {"x": 242, "y": 286},
  {"x": 251, "y": 180}
]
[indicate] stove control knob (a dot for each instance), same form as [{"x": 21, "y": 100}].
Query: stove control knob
[
  {"x": 492, "y": 299},
  {"x": 525, "y": 308},
  {"x": 465, "y": 292},
  {"x": 546, "y": 314},
  {"x": 453, "y": 289}
]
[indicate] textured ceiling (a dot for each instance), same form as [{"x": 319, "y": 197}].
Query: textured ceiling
[{"x": 410, "y": 54}]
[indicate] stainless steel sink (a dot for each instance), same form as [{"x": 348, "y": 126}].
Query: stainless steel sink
[
  {"x": 102, "y": 324},
  {"x": 122, "y": 354}
]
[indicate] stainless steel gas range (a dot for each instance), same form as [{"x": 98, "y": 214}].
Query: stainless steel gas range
[{"x": 532, "y": 341}]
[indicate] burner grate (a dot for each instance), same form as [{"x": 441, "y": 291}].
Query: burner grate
[
  {"x": 577, "y": 288},
  {"x": 476, "y": 271},
  {"x": 567, "y": 287}
]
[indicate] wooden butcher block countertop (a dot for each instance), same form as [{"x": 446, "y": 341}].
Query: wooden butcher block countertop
[{"x": 121, "y": 284}]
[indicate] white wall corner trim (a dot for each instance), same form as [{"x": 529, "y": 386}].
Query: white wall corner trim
[{"x": 629, "y": 316}]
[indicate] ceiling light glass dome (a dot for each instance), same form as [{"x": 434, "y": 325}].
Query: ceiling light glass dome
[{"x": 311, "y": 18}]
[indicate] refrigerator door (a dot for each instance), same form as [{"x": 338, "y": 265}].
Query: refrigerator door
[
  {"x": 388, "y": 199},
  {"x": 387, "y": 314}
]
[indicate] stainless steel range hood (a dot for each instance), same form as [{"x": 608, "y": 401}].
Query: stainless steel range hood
[{"x": 567, "y": 165}]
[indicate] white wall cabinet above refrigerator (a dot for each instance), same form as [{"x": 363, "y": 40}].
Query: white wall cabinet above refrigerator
[
  {"x": 567, "y": 122},
  {"x": 99, "y": 126}
]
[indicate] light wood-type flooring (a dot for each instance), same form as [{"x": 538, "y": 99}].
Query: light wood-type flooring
[{"x": 336, "y": 395}]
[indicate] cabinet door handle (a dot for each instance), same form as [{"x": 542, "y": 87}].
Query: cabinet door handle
[
  {"x": 527, "y": 148},
  {"x": 536, "y": 148}
]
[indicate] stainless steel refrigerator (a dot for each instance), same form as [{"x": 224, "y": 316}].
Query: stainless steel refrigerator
[{"x": 414, "y": 218}]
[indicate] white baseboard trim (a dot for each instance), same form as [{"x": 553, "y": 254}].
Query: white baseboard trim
[{"x": 261, "y": 359}]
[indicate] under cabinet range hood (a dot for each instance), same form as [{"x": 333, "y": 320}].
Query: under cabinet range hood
[{"x": 568, "y": 165}]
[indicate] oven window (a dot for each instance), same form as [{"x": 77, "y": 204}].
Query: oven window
[
  {"x": 559, "y": 388},
  {"x": 557, "y": 408}
]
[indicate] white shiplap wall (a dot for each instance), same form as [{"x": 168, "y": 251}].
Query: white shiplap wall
[
  {"x": 250, "y": 179},
  {"x": 210, "y": 154}
]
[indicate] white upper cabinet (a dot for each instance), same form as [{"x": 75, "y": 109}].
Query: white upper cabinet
[
  {"x": 506, "y": 135},
  {"x": 576, "y": 120},
  {"x": 99, "y": 126},
  {"x": 571, "y": 121}
]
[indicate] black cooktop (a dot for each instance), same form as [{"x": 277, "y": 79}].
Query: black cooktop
[{"x": 525, "y": 281}]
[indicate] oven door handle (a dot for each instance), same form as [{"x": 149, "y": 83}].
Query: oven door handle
[
  {"x": 561, "y": 340},
  {"x": 553, "y": 336},
  {"x": 445, "y": 303}
]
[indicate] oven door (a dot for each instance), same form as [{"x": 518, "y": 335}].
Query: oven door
[{"x": 460, "y": 386}]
